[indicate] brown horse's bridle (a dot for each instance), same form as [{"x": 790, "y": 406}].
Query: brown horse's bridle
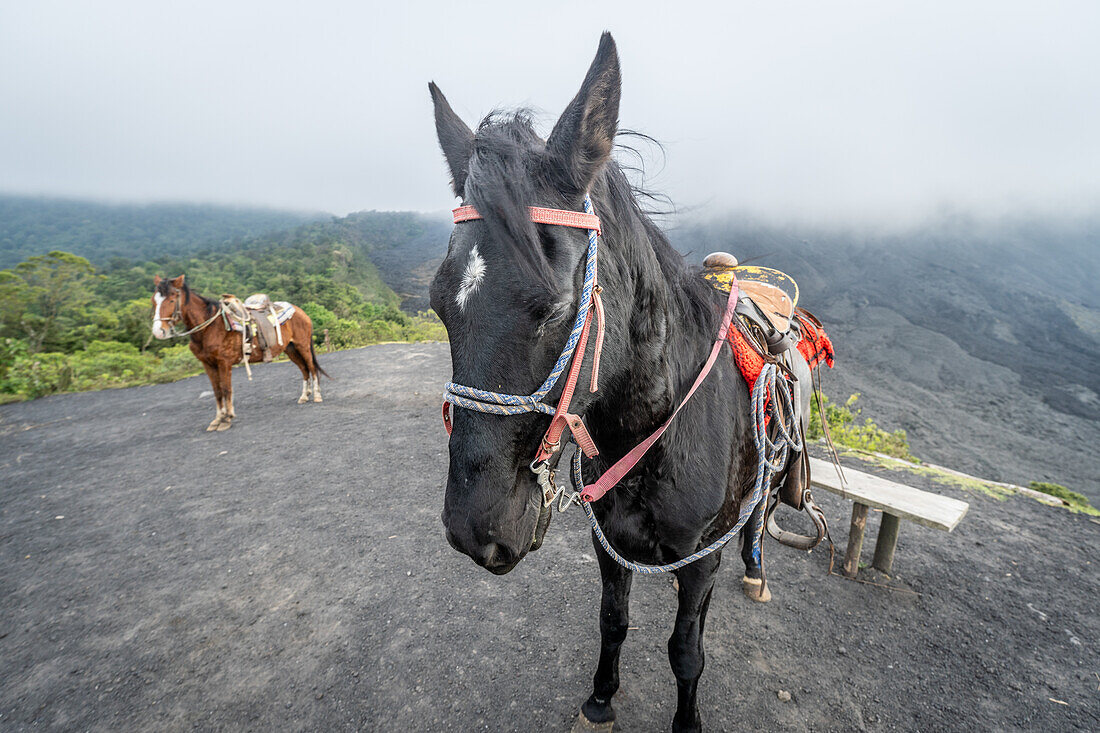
[{"x": 177, "y": 317}]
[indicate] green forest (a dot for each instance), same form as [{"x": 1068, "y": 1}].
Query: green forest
[
  {"x": 77, "y": 321},
  {"x": 34, "y": 226}
]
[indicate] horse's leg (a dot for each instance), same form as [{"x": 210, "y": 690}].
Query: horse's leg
[
  {"x": 685, "y": 646},
  {"x": 307, "y": 357},
  {"x": 212, "y": 374},
  {"x": 225, "y": 376},
  {"x": 295, "y": 355},
  {"x": 596, "y": 712},
  {"x": 752, "y": 584}
]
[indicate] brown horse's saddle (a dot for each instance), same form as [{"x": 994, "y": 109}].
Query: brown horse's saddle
[{"x": 260, "y": 320}]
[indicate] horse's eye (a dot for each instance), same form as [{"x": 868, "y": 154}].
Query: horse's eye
[{"x": 557, "y": 312}]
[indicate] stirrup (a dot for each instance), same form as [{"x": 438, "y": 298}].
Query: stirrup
[{"x": 793, "y": 539}]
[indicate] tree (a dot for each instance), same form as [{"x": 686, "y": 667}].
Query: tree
[{"x": 43, "y": 298}]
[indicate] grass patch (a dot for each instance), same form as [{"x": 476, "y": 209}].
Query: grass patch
[
  {"x": 1071, "y": 500},
  {"x": 967, "y": 483},
  {"x": 848, "y": 431},
  {"x": 1074, "y": 502}
]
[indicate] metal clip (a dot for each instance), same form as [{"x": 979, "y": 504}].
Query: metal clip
[
  {"x": 567, "y": 498},
  {"x": 544, "y": 476}
]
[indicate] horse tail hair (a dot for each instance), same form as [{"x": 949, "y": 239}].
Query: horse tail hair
[{"x": 316, "y": 365}]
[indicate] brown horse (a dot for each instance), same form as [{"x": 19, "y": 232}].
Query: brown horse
[{"x": 219, "y": 348}]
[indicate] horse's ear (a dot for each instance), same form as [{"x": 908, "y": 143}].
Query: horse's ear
[
  {"x": 156, "y": 280},
  {"x": 582, "y": 138},
  {"x": 455, "y": 137},
  {"x": 178, "y": 282}
]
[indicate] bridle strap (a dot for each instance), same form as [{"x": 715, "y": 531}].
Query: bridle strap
[
  {"x": 540, "y": 215},
  {"x": 562, "y": 418},
  {"x": 177, "y": 316},
  {"x": 177, "y": 313},
  {"x": 591, "y": 308}
]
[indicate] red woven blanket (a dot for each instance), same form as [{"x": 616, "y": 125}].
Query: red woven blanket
[{"x": 815, "y": 346}]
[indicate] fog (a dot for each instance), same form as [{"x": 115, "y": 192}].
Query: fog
[{"x": 816, "y": 112}]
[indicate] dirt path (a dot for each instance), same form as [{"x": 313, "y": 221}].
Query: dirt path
[{"x": 291, "y": 574}]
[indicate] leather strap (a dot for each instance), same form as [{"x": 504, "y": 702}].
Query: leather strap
[
  {"x": 594, "y": 491},
  {"x": 562, "y": 418},
  {"x": 539, "y": 215}
]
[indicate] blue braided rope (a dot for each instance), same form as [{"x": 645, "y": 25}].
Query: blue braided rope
[
  {"x": 501, "y": 403},
  {"x": 771, "y": 457}
]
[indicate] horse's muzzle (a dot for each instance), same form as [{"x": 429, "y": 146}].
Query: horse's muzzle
[{"x": 493, "y": 556}]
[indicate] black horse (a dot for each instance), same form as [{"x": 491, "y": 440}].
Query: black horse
[{"x": 507, "y": 292}]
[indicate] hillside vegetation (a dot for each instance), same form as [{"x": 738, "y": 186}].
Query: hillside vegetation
[
  {"x": 67, "y": 324},
  {"x": 97, "y": 231}
]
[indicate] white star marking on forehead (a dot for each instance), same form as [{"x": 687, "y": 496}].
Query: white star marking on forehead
[{"x": 471, "y": 278}]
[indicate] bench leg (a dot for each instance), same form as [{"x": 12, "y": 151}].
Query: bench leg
[
  {"x": 886, "y": 543},
  {"x": 855, "y": 539}
]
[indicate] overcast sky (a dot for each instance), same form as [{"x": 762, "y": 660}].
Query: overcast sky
[{"x": 821, "y": 110}]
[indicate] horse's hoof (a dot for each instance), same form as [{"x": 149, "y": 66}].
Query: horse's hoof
[
  {"x": 584, "y": 725},
  {"x": 303, "y": 400},
  {"x": 214, "y": 425},
  {"x": 317, "y": 399},
  {"x": 756, "y": 589},
  {"x": 225, "y": 425}
]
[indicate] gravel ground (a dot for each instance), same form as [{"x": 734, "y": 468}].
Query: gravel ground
[{"x": 292, "y": 574}]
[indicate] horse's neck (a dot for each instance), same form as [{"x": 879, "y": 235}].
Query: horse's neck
[
  {"x": 664, "y": 345},
  {"x": 194, "y": 314}
]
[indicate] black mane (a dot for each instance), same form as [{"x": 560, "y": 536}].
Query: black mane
[{"x": 504, "y": 172}]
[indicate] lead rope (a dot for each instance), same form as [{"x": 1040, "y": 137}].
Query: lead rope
[
  {"x": 201, "y": 326},
  {"x": 771, "y": 458}
]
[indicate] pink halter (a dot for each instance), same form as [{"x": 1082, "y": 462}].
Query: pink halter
[{"x": 539, "y": 215}]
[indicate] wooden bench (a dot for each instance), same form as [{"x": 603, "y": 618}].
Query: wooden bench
[{"x": 896, "y": 501}]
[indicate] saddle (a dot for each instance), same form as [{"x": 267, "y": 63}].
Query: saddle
[
  {"x": 768, "y": 325},
  {"x": 264, "y": 315},
  {"x": 259, "y": 320}
]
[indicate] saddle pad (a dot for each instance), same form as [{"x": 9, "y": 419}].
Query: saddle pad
[
  {"x": 283, "y": 308},
  {"x": 815, "y": 345},
  {"x": 285, "y": 311},
  {"x": 257, "y": 301}
]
